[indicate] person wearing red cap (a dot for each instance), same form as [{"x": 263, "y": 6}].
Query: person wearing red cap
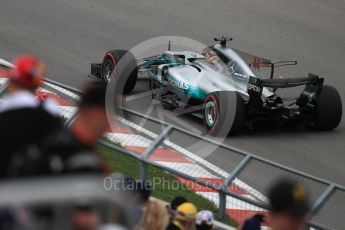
[
  {"x": 25, "y": 77},
  {"x": 24, "y": 119}
]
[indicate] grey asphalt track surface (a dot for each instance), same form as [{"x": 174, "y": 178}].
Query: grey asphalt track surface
[{"x": 69, "y": 35}]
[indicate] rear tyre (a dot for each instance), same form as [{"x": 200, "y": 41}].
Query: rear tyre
[
  {"x": 223, "y": 113},
  {"x": 129, "y": 72},
  {"x": 328, "y": 110}
]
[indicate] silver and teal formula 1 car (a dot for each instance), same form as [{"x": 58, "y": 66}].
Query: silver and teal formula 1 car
[{"x": 228, "y": 88}]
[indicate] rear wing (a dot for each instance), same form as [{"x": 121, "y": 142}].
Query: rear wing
[
  {"x": 313, "y": 84},
  {"x": 256, "y": 84},
  {"x": 312, "y": 79}
]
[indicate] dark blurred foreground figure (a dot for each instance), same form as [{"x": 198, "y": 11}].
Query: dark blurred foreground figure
[
  {"x": 177, "y": 201},
  {"x": 289, "y": 208},
  {"x": 140, "y": 192},
  {"x": 24, "y": 119},
  {"x": 73, "y": 149},
  {"x": 85, "y": 218},
  {"x": 14, "y": 219}
]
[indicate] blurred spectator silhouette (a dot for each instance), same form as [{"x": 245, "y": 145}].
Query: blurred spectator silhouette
[
  {"x": 140, "y": 192},
  {"x": 14, "y": 219},
  {"x": 74, "y": 149},
  {"x": 24, "y": 119},
  {"x": 70, "y": 149},
  {"x": 177, "y": 201},
  {"x": 204, "y": 220},
  {"x": 289, "y": 207},
  {"x": 85, "y": 218},
  {"x": 184, "y": 217},
  {"x": 155, "y": 216}
]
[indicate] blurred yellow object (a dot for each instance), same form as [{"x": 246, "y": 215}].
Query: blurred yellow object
[{"x": 186, "y": 211}]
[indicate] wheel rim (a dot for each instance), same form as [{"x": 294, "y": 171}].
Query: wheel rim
[
  {"x": 108, "y": 70},
  {"x": 210, "y": 113}
]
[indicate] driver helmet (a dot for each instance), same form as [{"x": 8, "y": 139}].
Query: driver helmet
[{"x": 210, "y": 56}]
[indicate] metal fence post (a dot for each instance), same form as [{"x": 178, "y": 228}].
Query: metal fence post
[
  {"x": 3, "y": 88},
  {"x": 322, "y": 199},
  {"x": 231, "y": 177},
  {"x": 222, "y": 205},
  {"x": 70, "y": 120},
  {"x": 156, "y": 143},
  {"x": 143, "y": 169}
]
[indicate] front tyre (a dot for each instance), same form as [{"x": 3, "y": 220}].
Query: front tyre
[
  {"x": 223, "y": 113},
  {"x": 110, "y": 69},
  {"x": 328, "y": 110}
]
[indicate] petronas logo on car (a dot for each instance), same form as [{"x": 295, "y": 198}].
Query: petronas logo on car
[{"x": 178, "y": 84}]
